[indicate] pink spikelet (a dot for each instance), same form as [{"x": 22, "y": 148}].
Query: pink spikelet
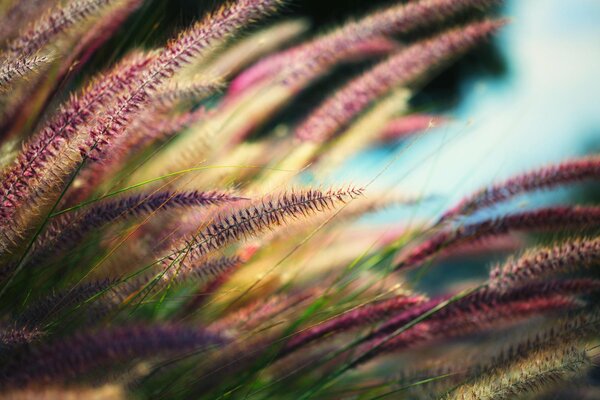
[
  {"x": 149, "y": 127},
  {"x": 20, "y": 12},
  {"x": 298, "y": 66},
  {"x": 20, "y": 56},
  {"x": 551, "y": 218},
  {"x": 340, "y": 44},
  {"x": 551, "y": 176},
  {"x": 540, "y": 263},
  {"x": 403, "y": 68},
  {"x": 20, "y": 179}
]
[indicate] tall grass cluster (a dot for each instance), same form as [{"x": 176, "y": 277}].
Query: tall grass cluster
[{"x": 164, "y": 233}]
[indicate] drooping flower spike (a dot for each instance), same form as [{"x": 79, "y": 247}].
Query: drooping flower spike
[
  {"x": 537, "y": 264},
  {"x": 267, "y": 214},
  {"x": 567, "y": 172},
  {"x": 67, "y": 230},
  {"x": 329, "y": 49},
  {"x": 406, "y": 67},
  {"x": 544, "y": 219}
]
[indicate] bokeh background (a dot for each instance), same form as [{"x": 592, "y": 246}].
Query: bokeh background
[
  {"x": 543, "y": 108},
  {"x": 528, "y": 98}
]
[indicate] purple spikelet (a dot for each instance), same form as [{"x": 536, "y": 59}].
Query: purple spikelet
[
  {"x": 567, "y": 172},
  {"x": 551, "y": 218},
  {"x": 68, "y": 229},
  {"x": 463, "y": 324},
  {"x": 109, "y": 211},
  {"x": 540, "y": 263},
  {"x": 486, "y": 300},
  {"x": 216, "y": 269},
  {"x": 272, "y": 211},
  {"x": 86, "y": 352},
  {"x": 405, "y": 67}
]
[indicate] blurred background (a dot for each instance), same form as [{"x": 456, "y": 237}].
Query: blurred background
[
  {"x": 544, "y": 106},
  {"x": 528, "y": 98}
]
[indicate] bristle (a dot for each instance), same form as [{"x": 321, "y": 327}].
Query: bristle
[{"x": 403, "y": 127}]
